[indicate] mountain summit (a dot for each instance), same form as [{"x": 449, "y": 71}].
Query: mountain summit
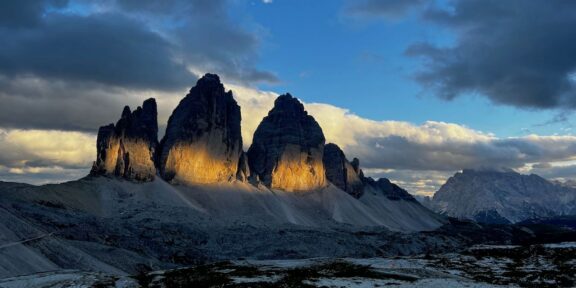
[
  {"x": 502, "y": 197},
  {"x": 203, "y": 140},
  {"x": 287, "y": 148}
]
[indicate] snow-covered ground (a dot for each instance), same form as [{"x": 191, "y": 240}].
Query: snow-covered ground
[{"x": 480, "y": 267}]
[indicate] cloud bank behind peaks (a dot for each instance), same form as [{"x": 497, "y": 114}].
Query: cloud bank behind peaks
[{"x": 398, "y": 145}]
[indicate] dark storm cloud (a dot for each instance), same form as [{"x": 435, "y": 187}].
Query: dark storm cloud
[
  {"x": 33, "y": 103},
  {"x": 25, "y": 13},
  {"x": 73, "y": 68},
  {"x": 518, "y": 53},
  {"x": 389, "y": 9},
  {"x": 104, "y": 48},
  {"x": 135, "y": 44},
  {"x": 207, "y": 36}
]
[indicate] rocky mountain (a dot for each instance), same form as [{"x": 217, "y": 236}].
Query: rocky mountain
[
  {"x": 128, "y": 148},
  {"x": 124, "y": 227},
  {"x": 340, "y": 172},
  {"x": 502, "y": 197},
  {"x": 389, "y": 189},
  {"x": 203, "y": 141},
  {"x": 287, "y": 148}
]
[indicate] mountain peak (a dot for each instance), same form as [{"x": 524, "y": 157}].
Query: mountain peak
[
  {"x": 502, "y": 196},
  {"x": 287, "y": 148},
  {"x": 287, "y": 104},
  {"x": 203, "y": 140},
  {"x": 209, "y": 82}
]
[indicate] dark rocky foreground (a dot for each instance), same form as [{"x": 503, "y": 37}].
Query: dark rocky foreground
[{"x": 478, "y": 266}]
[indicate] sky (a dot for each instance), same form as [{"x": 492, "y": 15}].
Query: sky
[{"x": 416, "y": 89}]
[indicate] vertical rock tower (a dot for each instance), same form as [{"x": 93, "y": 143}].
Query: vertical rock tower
[
  {"x": 203, "y": 141},
  {"x": 342, "y": 173},
  {"x": 128, "y": 148},
  {"x": 287, "y": 148}
]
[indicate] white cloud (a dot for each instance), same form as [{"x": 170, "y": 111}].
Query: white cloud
[{"x": 43, "y": 156}]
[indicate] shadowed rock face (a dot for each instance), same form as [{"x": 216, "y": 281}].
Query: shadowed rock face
[
  {"x": 128, "y": 148},
  {"x": 287, "y": 148},
  {"x": 340, "y": 172},
  {"x": 389, "y": 189},
  {"x": 203, "y": 141}
]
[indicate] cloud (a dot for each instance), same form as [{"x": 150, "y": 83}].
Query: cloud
[
  {"x": 206, "y": 36},
  {"x": 46, "y": 148},
  {"x": 129, "y": 44},
  {"x": 555, "y": 172},
  {"x": 24, "y": 14},
  {"x": 73, "y": 66},
  {"x": 514, "y": 53},
  {"x": 388, "y": 9},
  {"x": 36, "y": 103},
  {"x": 105, "y": 48},
  {"x": 41, "y": 156}
]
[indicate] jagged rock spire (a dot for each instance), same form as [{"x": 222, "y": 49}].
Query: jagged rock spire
[
  {"x": 203, "y": 141},
  {"x": 128, "y": 148},
  {"x": 287, "y": 148}
]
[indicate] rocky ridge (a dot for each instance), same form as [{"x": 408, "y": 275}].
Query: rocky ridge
[
  {"x": 203, "y": 144},
  {"x": 340, "y": 172},
  {"x": 127, "y": 149}
]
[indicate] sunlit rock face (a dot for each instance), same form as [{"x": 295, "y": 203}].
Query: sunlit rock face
[
  {"x": 340, "y": 172},
  {"x": 203, "y": 141},
  {"x": 128, "y": 148},
  {"x": 287, "y": 148}
]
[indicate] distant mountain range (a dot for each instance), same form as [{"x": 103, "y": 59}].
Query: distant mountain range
[{"x": 502, "y": 197}]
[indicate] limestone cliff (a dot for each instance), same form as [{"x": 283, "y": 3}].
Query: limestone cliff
[
  {"x": 128, "y": 148},
  {"x": 203, "y": 143},
  {"x": 287, "y": 148},
  {"x": 340, "y": 172}
]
